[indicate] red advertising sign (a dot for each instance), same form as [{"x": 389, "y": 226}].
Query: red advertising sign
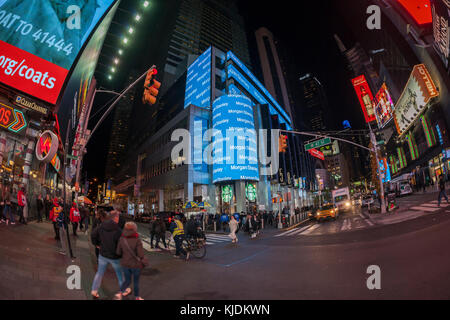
[
  {"x": 30, "y": 74},
  {"x": 317, "y": 154},
  {"x": 365, "y": 97},
  {"x": 385, "y": 106},
  {"x": 419, "y": 10},
  {"x": 11, "y": 119}
]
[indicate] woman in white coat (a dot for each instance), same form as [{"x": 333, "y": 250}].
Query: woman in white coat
[{"x": 234, "y": 225}]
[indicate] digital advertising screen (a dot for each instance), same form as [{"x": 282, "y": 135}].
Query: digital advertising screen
[
  {"x": 365, "y": 97},
  {"x": 41, "y": 39},
  {"x": 419, "y": 90},
  {"x": 385, "y": 106},
  {"x": 198, "y": 82},
  {"x": 441, "y": 15},
  {"x": 419, "y": 10},
  {"x": 235, "y": 155}
]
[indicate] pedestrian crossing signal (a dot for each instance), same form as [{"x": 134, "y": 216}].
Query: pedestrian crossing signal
[{"x": 151, "y": 87}]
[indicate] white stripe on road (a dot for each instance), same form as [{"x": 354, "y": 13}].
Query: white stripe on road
[
  {"x": 369, "y": 222},
  {"x": 287, "y": 232},
  {"x": 434, "y": 205},
  {"x": 299, "y": 231},
  {"x": 424, "y": 209},
  {"x": 309, "y": 230}
]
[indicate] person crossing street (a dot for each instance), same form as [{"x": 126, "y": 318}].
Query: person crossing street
[
  {"x": 442, "y": 190},
  {"x": 177, "y": 229}
]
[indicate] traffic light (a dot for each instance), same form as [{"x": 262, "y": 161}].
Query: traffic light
[
  {"x": 282, "y": 143},
  {"x": 151, "y": 87}
]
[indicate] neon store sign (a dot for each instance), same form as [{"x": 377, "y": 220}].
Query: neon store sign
[{"x": 12, "y": 119}]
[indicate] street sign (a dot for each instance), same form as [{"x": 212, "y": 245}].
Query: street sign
[
  {"x": 69, "y": 156},
  {"x": 316, "y": 153},
  {"x": 317, "y": 144}
]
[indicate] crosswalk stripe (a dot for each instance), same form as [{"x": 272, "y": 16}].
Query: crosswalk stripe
[
  {"x": 369, "y": 222},
  {"x": 286, "y": 232},
  {"x": 434, "y": 205},
  {"x": 424, "y": 209},
  {"x": 217, "y": 236},
  {"x": 298, "y": 231},
  {"x": 309, "y": 230}
]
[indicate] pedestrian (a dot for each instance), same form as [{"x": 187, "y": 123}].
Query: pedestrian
[
  {"x": 270, "y": 218},
  {"x": 82, "y": 216},
  {"x": 177, "y": 229},
  {"x": 442, "y": 190},
  {"x": 22, "y": 202},
  {"x": 132, "y": 252},
  {"x": 54, "y": 214},
  {"x": 48, "y": 206},
  {"x": 151, "y": 228},
  {"x": 250, "y": 226},
  {"x": 234, "y": 227},
  {"x": 160, "y": 232},
  {"x": 75, "y": 218},
  {"x": 61, "y": 225},
  {"x": 98, "y": 220},
  {"x": 2, "y": 203},
  {"x": 106, "y": 238},
  {"x": 7, "y": 195},
  {"x": 39, "y": 207}
]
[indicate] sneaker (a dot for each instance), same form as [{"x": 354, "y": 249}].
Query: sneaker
[
  {"x": 13, "y": 223},
  {"x": 118, "y": 296},
  {"x": 62, "y": 252},
  {"x": 127, "y": 292},
  {"x": 139, "y": 298}
]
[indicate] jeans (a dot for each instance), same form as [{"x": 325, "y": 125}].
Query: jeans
[
  {"x": 56, "y": 229},
  {"x": 21, "y": 218},
  {"x": 6, "y": 210},
  {"x": 75, "y": 227},
  {"x": 128, "y": 272},
  {"x": 179, "y": 249},
  {"x": 162, "y": 237},
  {"x": 102, "y": 265},
  {"x": 442, "y": 194}
]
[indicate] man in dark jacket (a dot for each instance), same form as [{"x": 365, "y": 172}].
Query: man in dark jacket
[
  {"x": 39, "y": 207},
  {"x": 160, "y": 232},
  {"x": 106, "y": 238},
  {"x": 152, "y": 230}
]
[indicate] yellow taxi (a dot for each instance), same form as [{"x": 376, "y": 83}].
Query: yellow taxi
[{"x": 327, "y": 211}]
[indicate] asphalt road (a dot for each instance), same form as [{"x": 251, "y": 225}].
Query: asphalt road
[{"x": 329, "y": 263}]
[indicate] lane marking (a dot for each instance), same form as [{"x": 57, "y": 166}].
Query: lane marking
[
  {"x": 290, "y": 231},
  {"x": 434, "y": 205},
  {"x": 370, "y": 223},
  {"x": 299, "y": 231},
  {"x": 308, "y": 231},
  {"x": 425, "y": 209}
]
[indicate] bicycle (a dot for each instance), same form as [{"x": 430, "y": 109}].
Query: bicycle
[{"x": 195, "y": 246}]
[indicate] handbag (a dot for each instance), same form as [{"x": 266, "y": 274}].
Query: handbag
[{"x": 144, "y": 261}]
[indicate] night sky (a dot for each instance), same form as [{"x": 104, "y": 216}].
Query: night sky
[{"x": 306, "y": 28}]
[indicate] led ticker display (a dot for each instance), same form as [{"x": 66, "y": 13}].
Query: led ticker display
[
  {"x": 231, "y": 56},
  {"x": 12, "y": 119},
  {"x": 41, "y": 40},
  {"x": 365, "y": 97},
  {"x": 385, "y": 106},
  {"x": 235, "y": 147},
  {"x": 419, "y": 10},
  {"x": 198, "y": 82}
]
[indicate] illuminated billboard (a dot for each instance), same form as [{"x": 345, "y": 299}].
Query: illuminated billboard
[
  {"x": 419, "y": 90},
  {"x": 419, "y": 10},
  {"x": 365, "y": 97},
  {"x": 385, "y": 171},
  {"x": 441, "y": 16},
  {"x": 385, "y": 106},
  {"x": 198, "y": 82},
  {"x": 41, "y": 39},
  {"x": 235, "y": 154}
]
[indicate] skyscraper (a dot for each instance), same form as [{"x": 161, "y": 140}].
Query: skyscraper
[
  {"x": 200, "y": 24},
  {"x": 315, "y": 102},
  {"x": 273, "y": 73}
]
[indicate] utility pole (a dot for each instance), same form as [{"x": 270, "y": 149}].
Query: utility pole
[
  {"x": 375, "y": 149},
  {"x": 65, "y": 224},
  {"x": 86, "y": 138}
]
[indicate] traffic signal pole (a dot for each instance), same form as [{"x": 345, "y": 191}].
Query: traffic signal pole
[{"x": 107, "y": 112}]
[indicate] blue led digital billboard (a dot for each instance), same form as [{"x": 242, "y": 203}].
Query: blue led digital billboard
[
  {"x": 198, "y": 82},
  {"x": 235, "y": 155},
  {"x": 230, "y": 55},
  {"x": 236, "y": 75}
]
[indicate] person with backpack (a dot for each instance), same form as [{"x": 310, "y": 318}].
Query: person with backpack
[
  {"x": 234, "y": 228},
  {"x": 75, "y": 218},
  {"x": 133, "y": 260},
  {"x": 106, "y": 237}
]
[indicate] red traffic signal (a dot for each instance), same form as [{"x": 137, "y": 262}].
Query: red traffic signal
[
  {"x": 282, "y": 143},
  {"x": 151, "y": 87}
]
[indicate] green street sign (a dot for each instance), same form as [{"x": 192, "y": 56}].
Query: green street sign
[
  {"x": 69, "y": 156},
  {"x": 317, "y": 144}
]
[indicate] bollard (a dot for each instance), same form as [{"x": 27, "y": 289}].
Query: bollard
[
  {"x": 262, "y": 223},
  {"x": 215, "y": 227}
]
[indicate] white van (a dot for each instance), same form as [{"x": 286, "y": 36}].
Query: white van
[
  {"x": 401, "y": 185},
  {"x": 341, "y": 198}
]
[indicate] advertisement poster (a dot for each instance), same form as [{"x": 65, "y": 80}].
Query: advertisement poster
[
  {"x": 365, "y": 97},
  {"x": 418, "y": 92},
  {"x": 41, "y": 39},
  {"x": 441, "y": 15},
  {"x": 385, "y": 106}
]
